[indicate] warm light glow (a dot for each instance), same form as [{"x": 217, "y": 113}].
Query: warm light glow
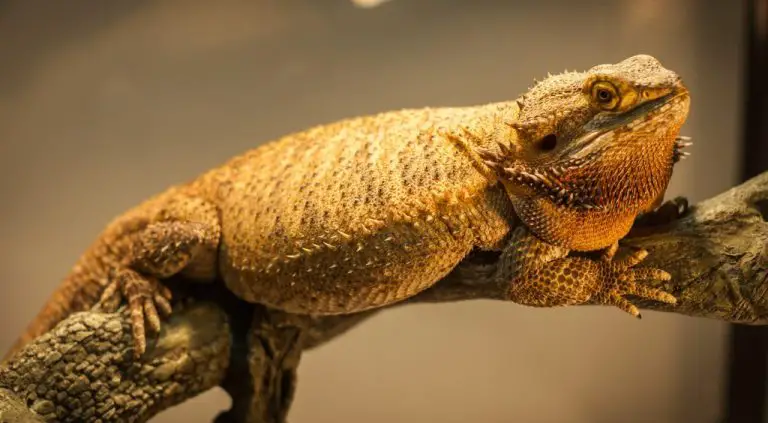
[{"x": 368, "y": 4}]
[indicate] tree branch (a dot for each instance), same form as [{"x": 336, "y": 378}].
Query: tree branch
[{"x": 83, "y": 370}]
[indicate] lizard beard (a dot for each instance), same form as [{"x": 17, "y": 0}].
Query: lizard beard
[{"x": 587, "y": 203}]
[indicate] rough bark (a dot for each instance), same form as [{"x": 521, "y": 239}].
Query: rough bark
[
  {"x": 83, "y": 370},
  {"x": 717, "y": 254}
]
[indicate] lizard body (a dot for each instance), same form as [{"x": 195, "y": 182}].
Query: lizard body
[
  {"x": 358, "y": 204},
  {"x": 369, "y": 211}
]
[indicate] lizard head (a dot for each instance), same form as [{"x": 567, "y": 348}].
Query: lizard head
[{"x": 589, "y": 151}]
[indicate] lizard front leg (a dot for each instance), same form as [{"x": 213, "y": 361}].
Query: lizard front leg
[
  {"x": 183, "y": 239},
  {"x": 542, "y": 275}
]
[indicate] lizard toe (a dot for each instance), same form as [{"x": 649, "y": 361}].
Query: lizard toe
[
  {"x": 147, "y": 300},
  {"x": 632, "y": 259},
  {"x": 163, "y": 305},
  {"x": 110, "y": 298},
  {"x": 623, "y": 304},
  {"x": 151, "y": 315},
  {"x": 623, "y": 281}
]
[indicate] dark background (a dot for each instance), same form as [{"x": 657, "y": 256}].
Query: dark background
[{"x": 105, "y": 103}]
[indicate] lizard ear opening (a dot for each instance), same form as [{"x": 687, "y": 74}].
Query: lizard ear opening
[{"x": 548, "y": 142}]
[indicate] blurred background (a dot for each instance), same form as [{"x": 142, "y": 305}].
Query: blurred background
[{"x": 105, "y": 103}]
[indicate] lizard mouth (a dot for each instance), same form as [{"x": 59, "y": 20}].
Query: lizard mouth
[{"x": 603, "y": 130}]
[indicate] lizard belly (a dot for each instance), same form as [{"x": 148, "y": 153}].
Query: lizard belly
[
  {"x": 325, "y": 270},
  {"x": 339, "y": 275}
]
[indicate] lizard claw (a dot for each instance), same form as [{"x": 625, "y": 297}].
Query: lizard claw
[
  {"x": 622, "y": 280},
  {"x": 147, "y": 299},
  {"x": 673, "y": 209}
]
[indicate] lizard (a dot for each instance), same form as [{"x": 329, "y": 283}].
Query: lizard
[{"x": 369, "y": 211}]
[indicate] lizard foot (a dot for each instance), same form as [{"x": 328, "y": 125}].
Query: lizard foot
[
  {"x": 544, "y": 275},
  {"x": 606, "y": 281},
  {"x": 675, "y": 208},
  {"x": 667, "y": 213},
  {"x": 620, "y": 278},
  {"x": 146, "y": 296}
]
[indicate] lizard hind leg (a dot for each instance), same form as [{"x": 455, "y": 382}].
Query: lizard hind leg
[{"x": 176, "y": 245}]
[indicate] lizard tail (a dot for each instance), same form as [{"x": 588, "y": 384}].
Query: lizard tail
[{"x": 65, "y": 300}]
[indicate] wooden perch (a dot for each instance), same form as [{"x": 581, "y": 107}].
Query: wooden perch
[
  {"x": 717, "y": 254},
  {"x": 83, "y": 370}
]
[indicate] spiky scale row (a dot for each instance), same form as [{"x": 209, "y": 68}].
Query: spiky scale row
[
  {"x": 540, "y": 179},
  {"x": 681, "y": 142},
  {"x": 422, "y": 214}
]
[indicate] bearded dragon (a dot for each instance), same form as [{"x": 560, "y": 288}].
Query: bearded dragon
[{"x": 369, "y": 211}]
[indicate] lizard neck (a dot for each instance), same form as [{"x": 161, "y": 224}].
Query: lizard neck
[
  {"x": 491, "y": 125},
  {"x": 616, "y": 186}
]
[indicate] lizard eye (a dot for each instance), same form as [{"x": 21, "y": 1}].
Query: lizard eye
[{"x": 605, "y": 95}]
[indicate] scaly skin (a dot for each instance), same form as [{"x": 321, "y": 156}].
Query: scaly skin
[{"x": 369, "y": 211}]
